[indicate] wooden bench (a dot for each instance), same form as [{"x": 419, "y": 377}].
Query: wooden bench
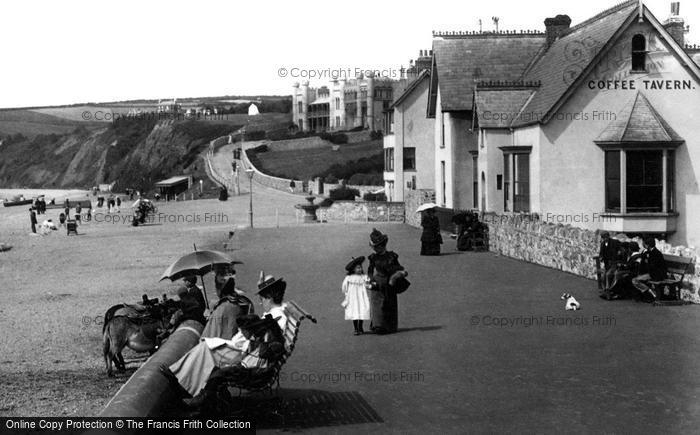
[
  {"x": 271, "y": 379},
  {"x": 670, "y": 288}
]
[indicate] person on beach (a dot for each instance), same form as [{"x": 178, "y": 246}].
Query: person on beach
[
  {"x": 383, "y": 270},
  {"x": 32, "y": 219},
  {"x": 78, "y": 211},
  {"x": 354, "y": 287},
  {"x": 119, "y": 204}
]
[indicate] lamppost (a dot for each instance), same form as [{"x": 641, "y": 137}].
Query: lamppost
[{"x": 250, "y": 173}]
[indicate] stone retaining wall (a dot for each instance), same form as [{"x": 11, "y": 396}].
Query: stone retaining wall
[
  {"x": 562, "y": 247},
  {"x": 413, "y": 199},
  {"x": 362, "y": 211},
  {"x": 565, "y": 247},
  {"x": 363, "y": 189}
]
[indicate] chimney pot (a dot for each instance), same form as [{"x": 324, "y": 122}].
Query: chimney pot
[{"x": 556, "y": 26}]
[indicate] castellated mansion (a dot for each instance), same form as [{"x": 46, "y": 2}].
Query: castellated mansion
[{"x": 351, "y": 103}]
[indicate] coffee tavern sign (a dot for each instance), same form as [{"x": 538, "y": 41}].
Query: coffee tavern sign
[{"x": 646, "y": 84}]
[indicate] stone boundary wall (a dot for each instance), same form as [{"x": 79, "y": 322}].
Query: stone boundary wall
[
  {"x": 363, "y": 189},
  {"x": 566, "y": 248},
  {"x": 563, "y": 247},
  {"x": 362, "y": 212},
  {"x": 412, "y": 200}
]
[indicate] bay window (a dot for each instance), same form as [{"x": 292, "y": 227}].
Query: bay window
[{"x": 639, "y": 181}]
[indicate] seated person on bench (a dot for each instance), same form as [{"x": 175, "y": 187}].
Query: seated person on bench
[
  {"x": 652, "y": 268},
  {"x": 609, "y": 255},
  {"x": 264, "y": 347},
  {"x": 193, "y": 370},
  {"x": 617, "y": 277}
]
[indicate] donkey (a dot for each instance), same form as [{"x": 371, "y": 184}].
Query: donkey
[{"x": 136, "y": 327}]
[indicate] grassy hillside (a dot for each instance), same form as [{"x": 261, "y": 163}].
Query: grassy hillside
[
  {"x": 31, "y": 123},
  {"x": 307, "y": 163}
]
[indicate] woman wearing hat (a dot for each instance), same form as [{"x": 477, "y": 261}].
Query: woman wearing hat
[
  {"x": 271, "y": 292},
  {"x": 193, "y": 370},
  {"x": 383, "y": 270},
  {"x": 431, "y": 238}
]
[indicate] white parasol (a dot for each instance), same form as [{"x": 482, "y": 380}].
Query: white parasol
[{"x": 426, "y": 206}]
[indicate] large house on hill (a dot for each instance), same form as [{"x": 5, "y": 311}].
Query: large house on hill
[{"x": 594, "y": 125}]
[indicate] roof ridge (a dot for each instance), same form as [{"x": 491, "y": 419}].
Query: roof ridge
[
  {"x": 656, "y": 116},
  {"x": 618, "y": 7},
  {"x": 465, "y": 34},
  {"x": 629, "y": 116}
]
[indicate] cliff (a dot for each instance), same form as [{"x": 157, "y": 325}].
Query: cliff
[{"x": 130, "y": 152}]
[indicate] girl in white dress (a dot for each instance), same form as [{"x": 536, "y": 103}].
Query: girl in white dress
[{"x": 354, "y": 288}]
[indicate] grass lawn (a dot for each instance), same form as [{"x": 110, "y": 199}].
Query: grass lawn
[{"x": 306, "y": 163}]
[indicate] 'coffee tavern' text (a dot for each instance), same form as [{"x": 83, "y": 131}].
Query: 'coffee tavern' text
[{"x": 648, "y": 84}]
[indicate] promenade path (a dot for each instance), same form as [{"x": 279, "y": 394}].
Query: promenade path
[{"x": 485, "y": 345}]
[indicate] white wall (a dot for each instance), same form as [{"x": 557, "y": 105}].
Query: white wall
[{"x": 572, "y": 165}]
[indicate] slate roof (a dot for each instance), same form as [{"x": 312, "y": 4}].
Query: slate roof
[
  {"x": 638, "y": 122},
  {"x": 462, "y": 61},
  {"x": 498, "y": 108},
  {"x": 560, "y": 65},
  {"x": 696, "y": 58}
]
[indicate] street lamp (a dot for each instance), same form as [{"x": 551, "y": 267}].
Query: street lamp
[{"x": 250, "y": 173}]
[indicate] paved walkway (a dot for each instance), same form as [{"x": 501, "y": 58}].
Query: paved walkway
[{"x": 485, "y": 345}]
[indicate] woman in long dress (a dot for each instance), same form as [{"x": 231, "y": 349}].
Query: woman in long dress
[
  {"x": 384, "y": 268},
  {"x": 431, "y": 238}
]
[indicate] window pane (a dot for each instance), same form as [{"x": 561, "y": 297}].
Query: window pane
[
  {"x": 644, "y": 181},
  {"x": 612, "y": 181},
  {"x": 521, "y": 192},
  {"x": 670, "y": 174},
  {"x": 409, "y": 158},
  {"x": 506, "y": 181},
  {"x": 638, "y": 43}
]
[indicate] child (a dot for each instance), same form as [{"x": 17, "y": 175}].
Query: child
[{"x": 354, "y": 288}]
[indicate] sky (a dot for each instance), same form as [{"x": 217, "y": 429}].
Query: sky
[{"x": 67, "y": 52}]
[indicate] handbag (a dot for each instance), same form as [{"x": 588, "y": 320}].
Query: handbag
[{"x": 401, "y": 285}]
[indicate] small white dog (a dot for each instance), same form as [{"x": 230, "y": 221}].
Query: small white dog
[{"x": 571, "y": 302}]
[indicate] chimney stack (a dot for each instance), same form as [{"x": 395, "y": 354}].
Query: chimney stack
[
  {"x": 424, "y": 61},
  {"x": 555, "y": 27},
  {"x": 675, "y": 25}
]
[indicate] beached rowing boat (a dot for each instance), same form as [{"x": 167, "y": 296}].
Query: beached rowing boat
[{"x": 17, "y": 202}]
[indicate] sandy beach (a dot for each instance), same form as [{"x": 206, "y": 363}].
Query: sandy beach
[
  {"x": 56, "y": 288},
  {"x": 59, "y": 194}
]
